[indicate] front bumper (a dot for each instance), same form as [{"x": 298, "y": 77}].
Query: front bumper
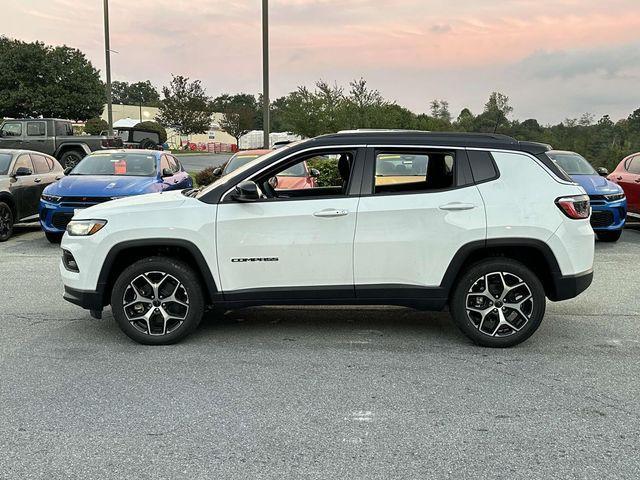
[
  {"x": 608, "y": 216},
  {"x": 564, "y": 287},
  {"x": 89, "y": 300}
]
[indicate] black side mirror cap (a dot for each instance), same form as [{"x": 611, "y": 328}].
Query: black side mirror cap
[
  {"x": 68, "y": 170},
  {"x": 217, "y": 171},
  {"x": 167, "y": 172},
  {"x": 603, "y": 172},
  {"x": 23, "y": 172},
  {"x": 315, "y": 173},
  {"x": 246, "y": 191}
]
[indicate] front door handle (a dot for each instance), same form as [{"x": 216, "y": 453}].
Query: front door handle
[
  {"x": 457, "y": 206},
  {"x": 37, "y": 180},
  {"x": 176, "y": 181},
  {"x": 331, "y": 212},
  {"x": 618, "y": 178}
]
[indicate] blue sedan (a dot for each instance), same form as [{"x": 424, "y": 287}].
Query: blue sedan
[
  {"x": 104, "y": 176},
  {"x": 608, "y": 201}
]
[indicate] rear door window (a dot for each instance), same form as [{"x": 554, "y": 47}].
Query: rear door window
[
  {"x": 40, "y": 163},
  {"x": 397, "y": 172},
  {"x": 36, "y": 129}
]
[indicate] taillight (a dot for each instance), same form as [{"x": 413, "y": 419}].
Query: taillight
[{"x": 576, "y": 207}]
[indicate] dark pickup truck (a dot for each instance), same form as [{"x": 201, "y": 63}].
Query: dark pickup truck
[{"x": 53, "y": 137}]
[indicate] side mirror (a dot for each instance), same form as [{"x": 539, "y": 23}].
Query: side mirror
[
  {"x": 246, "y": 192},
  {"x": 273, "y": 181},
  {"x": 217, "y": 171},
  {"x": 603, "y": 172},
  {"x": 315, "y": 173},
  {"x": 167, "y": 172},
  {"x": 67, "y": 170},
  {"x": 23, "y": 172}
]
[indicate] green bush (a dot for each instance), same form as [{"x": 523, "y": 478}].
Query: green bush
[
  {"x": 156, "y": 127},
  {"x": 329, "y": 174},
  {"x": 206, "y": 176},
  {"x": 95, "y": 126}
]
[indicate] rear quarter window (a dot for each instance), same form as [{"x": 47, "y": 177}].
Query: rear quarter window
[{"x": 483, "y": 168}]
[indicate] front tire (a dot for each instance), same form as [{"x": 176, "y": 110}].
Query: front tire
[
  {"x": 609, "y": 236},
  {"x": 157, "y": 301},
  {"x": 6, "y": 222},
  {"x": 498, "y": 302}
]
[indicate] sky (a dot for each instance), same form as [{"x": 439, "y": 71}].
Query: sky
[{"x": 555, "y": 59}]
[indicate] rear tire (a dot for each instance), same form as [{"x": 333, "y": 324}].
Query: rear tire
[
  {"x": 157, "y": 301},
  {"x": 53, "y": 237},
  {"x": 6, "y": 222},
  {"x": 609, "y": 236},
  {"x": 503, "y": 313}
]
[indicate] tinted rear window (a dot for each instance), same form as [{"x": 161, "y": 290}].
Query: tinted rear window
[{"x": 482, "y": 166}]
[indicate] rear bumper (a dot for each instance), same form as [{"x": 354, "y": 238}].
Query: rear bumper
[
  {"x": 565, "y": 287},
  {"x": 87, "y": 299}
]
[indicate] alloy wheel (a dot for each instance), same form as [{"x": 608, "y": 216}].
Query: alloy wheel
[
  {"x": 156, "y": 303},
  {"x": 6, "y": 220},
  {"x": 499, "y": 304}
]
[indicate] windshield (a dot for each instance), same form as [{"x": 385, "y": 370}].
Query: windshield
[
  {"x": 131, "y": 164},
  {"x": 5, "y": 163},
  {"x": 238, "y": 160},
  {"x": 572, "y": 163},
  {"x": 237, "y": 172}
]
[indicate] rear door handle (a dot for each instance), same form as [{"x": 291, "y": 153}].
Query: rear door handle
[
  {"x": 331, "y": 212},
  {"x": 456, "y": 206}
]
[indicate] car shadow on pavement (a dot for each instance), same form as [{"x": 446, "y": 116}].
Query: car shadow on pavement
[{"x": 346, "y": 326}]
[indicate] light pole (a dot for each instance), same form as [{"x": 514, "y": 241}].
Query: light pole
[
  {"x": 107, "y": 49},
  {"x": 265, "y": 72}
]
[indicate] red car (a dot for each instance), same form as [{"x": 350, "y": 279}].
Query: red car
[
  {"x": 297, "y": 177},
  {"x": 627, "y": 175}
]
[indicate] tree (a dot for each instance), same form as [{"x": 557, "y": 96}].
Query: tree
[
  {"x": 237, "y": 121},
  {"x": 440, "y": 110},
  {"x": 185, "y": 106},
  {"x": 40, "y": 80},
  {"x": 496, "y": 113},
  {"x": 139, "y": 93},
  {"x": 156, "y": 127},
  {"x": 95, "y": 126},
  {"x": 241, "y": 112}
]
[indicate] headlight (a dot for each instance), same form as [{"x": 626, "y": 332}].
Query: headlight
[
  {"x": 614, "y": 197},
  {"x": 51, "y": 198},
  {"x": 84, "y": 228}
]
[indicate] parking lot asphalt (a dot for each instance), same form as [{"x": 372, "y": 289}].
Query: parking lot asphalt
[
  {"x": 317, "y": 393},
  {"x": 196, "y": 162}
]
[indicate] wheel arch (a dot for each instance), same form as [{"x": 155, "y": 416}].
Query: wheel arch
[
  {"x": 7, "y": 198},
  {"x": 125, "y": 253},
  {"x": 534, "y": 254},
  {"x": 67, "y": 146}
]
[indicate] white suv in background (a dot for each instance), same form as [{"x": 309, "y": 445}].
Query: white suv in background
[{"x": 485, "y": 224}]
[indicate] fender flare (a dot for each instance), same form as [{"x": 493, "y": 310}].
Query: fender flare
[
  {"x": 211, "y": 291},
  {"x": 65, "y": 145}
]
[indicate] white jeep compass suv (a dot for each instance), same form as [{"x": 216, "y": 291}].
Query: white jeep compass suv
[{"x": 485, "y": 224}]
